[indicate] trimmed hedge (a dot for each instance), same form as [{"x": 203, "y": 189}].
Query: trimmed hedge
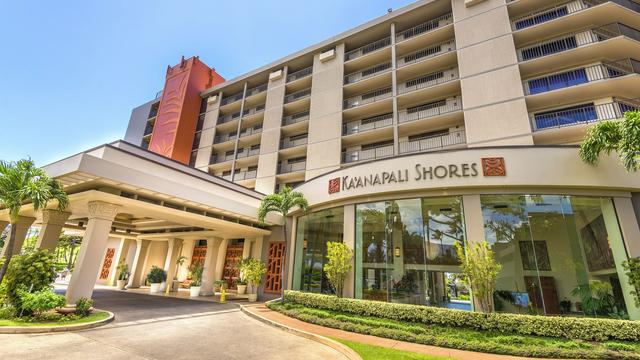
[{"x": 550, "y": 326}]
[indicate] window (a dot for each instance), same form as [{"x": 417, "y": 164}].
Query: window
[
  {"x": 549, "y": 48},
  {"x": 544, "y": 17},
  {"x": 424, "y": 79},
  {"x": 566, "y": 116},
  {"x": 427, "y": 106},
  {"x": 255, "y": 147},
  {"x": 558, "y": 81},
  {"x": 428, "y": 134}
]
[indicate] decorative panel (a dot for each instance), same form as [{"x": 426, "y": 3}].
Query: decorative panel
[
  {"x": 275, "y": 263},
  {"x": 106, "y": 265}
]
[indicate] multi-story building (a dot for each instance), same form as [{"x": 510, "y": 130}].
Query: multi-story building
[{"x": 443, "y": 121}]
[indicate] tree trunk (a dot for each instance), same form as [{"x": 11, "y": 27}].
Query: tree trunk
[
  {"x": 9, "y": 253},
  {"x": 71, "y": 257}
]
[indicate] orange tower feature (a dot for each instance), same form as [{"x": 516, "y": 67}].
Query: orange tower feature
[{"x": 179, "y": 108}]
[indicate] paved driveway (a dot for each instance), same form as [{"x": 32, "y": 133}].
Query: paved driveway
[{"x": 151, "y": 327}]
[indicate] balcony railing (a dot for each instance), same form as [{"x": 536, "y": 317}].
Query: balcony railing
[
  {"x": 245, "y": 175},
  {"x": 250, "y": 131},
  {"x": 377, "y": 122},
  {"x": 300, "y": 74},
  {"x": 367, "y": 73},
  {"x": 288, "y": 143},
  {"x": 367, "y": 98},
  {"x": 228, "y": 117},
  {"x": 297, "y": 95},
  {"x": 430, "y": 25},
  {"x": 429, "y": 80},
  {"x": 426, "y": 53},
  {"x": 295, "y": 118},
  {"x": 429, "y": 110},
  {"x": 247, "y": 152},
  {"x": 226, "y": 176},
  {"x": 231, "y": 99},
  {"x": 253, "y": 111},
  {"x": 220, "y": 158},
  {"x": 368, "y": 154},
  {"x": 292, "y": 167},
  {"x": 224, "y": 137},
  {"x": 557, "y": 11},
  {"x": 568, "y": 42},
  {"x": 582, "y": 75},
  {"x": 257, "y": 90},
  {"x": 583, "y": 114},
  {"x": 433, "y": 142},
  {"x": 365, "y": 49}
]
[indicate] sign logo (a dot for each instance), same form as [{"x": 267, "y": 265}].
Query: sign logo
[
  {"x": 334, "y": 185},
  {"x": 493, "y": 167}
]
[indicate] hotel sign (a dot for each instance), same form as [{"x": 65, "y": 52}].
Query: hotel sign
[{"x": 420, "y": 172}]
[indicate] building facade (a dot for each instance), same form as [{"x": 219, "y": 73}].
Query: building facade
[{"x": 444, "y": 121}]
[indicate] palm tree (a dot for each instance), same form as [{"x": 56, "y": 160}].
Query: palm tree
[
  {"x": 620, "y": 136},
  {"x": 282, "y": 203},
  {"x": 22, "y": 182}
]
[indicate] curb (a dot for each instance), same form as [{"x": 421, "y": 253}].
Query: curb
[
  {"x": 343, "y": 349},
  {"x": 56, "y": 329}
]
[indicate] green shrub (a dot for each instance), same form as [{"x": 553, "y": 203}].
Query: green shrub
[
  {"x": 512, "y": 324},
  {"x": 632, "y": 266},
  {"x": 83, "y": 306},
  {"x": 156, "y": 275},
  {"x": 40, "y": 301},
  {"x": 32, "y": 272},
  {"x": 7, "y": 312}
]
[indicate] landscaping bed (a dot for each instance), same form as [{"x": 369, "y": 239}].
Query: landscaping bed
[
  {"x": 370, "y": 352},
  {"x": 519, "y": 335},
  {"x": 55, "y": 321}
]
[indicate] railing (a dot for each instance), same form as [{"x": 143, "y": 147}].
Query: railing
[
  {"x": 257, "y": 90},
  {"x": 429, "y": 80},
  {"x": 300, "y": 74},
  {"x": 247, "y": 152},
  {"x": 426, "y": 53},
  {"x": 365, "y": 49},
  {"x": 292, "y": 167},
  {"x": 367, "y": 98},
  {"x": 295, "y": 118},
  {"x": 433, "y": 142},
  {"x": 224, "y": 137},
  {"x": 368, "y": 154},
  {"x": 430, "y": 25},
  {"x": 377, "y": 122},
  {"x": 557, "y": 11},
  {"x": 250, "y": 131},
  {"x": 245, "y": 175},
  {"x": 297, "y": 95},
  {"x": 568, "y": 42},
  {"x": 582, "y": 75},
  {"x": 231, "y": 99},
  {"x": 367, "y": 73},
  {"x": 288, "y": 143},
  {"x": 227, "y": 177},
  {"x": 432, "y": 109},
  {"x": 253, "y": 111},
  {"x": 217, "y": 159},
  {"x": 229, "y": 117},
  {"x": 583, "y": 114}
]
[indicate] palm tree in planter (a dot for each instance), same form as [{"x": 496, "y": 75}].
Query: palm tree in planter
[
  {"x": 281, "y": 203},
  {"x": 196, "y": 279},
  {"x": 123, "y": 275},
  {"x": 22, "y": 182}
]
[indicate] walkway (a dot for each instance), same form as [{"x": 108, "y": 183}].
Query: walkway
[{"x": 156, "y": 327}]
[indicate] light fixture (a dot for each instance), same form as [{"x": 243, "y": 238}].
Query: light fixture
[{"x": 397, "y": 251}]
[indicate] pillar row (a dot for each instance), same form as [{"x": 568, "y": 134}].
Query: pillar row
[
  {"x": 52, "y": 223},
  {"x": 208, "y": 274},
  {"x": 142, "y": 249},
  {"x": 22, "y": 228},
  {"x": 170, "y": 266}
]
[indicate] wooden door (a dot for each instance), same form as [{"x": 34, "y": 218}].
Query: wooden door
[
  {"x": 231, "y": 273},
  {"x": 198, "y": 255},
  {"x": 275, "y": 262}
]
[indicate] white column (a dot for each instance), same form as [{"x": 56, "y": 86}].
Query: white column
[
  {"x": 246, "y": 248},
  {"x": 474, "y": 224},
  {"x": 208, "y": 275},
  {"x": 52, "y": 223},
  {"x": 22, "y": 228},
  {"x": 94, "y": 243},
  {"x": 222, "y": 252},
  {"x": 173, "y": 251},
  {"x": 349, "y": 236},
  {"x": 142, "y": 249},
  {"x": 120, "y": 255},
  {"x": 187, "y": 251},
  {"x": 256, "y": 249}
]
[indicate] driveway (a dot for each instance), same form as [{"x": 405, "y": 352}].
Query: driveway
[{"x": 153, "y": 327}]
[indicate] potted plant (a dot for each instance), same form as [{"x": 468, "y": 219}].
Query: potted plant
[
  {"x": 155, "y": 277},
  {"x": 123, "y": 275},
  {"x": 220, "y": 284},
  {"x": 175, "y": 284},
  {"x": 253, "y": 270},
  {"x": 241, "y": 284},
  {"x": 196, "y": 279}
]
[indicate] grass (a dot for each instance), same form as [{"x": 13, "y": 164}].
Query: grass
[
  {"x": 371, "y": 352},
  {"x": 95, "y": 316},
  {"x": 462, "y": 338}
]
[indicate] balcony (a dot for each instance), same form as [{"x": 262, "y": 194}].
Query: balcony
[
  {"x": 427, "y": 81},
  {"x": 257, "y": 90},
  {"x": 368, "y": 98},
  {"x": 367, "y": 73},
  {"x": 297, "y": 96},
  {"x": 426, "y": 53},
  {"x": 148, "y": 129},
  {"x": 245, "y": 175},
  {"x": 255, "y": 110},
  {"x": 228, "y": 117},
  {"x": 231, "y": 99},
  {"x": 220, "y": 158},
  {"x": 435, "y": 142},
  {"x": 366, "y": 49},
  {"x": 376, "y": 122},
  {"x": 583, "y": 114},
  {"x": 224, "y": 138},
  {"x": 367, "y": 154},
  {"x": 295, "y": 118},
  {"x": 430, "y": 110},
  {"x": 290, "y": 143},
  {"x": 251, "y": 131},
  {"x": 227, "y": 177},
  {"x": 247, "y": 152},
  {"x": 292, "y": 167},
  {"x": 300, "y": 74},
  {"x": 425, "y": 27}
]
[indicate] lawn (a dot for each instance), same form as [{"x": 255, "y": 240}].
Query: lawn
[
  {"x": 370, "y": 352},
  {"x": 95, "y": 316},
  {"x": 463, "y": 338}
]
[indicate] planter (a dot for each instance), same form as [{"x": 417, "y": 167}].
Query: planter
[
  {"x": 155, "y": 288},
  {"x": 242, "y": 289},
  {"x": 253, "y": 297},
  {"x": 120, "y": 284},
  {"x": 194, "y": 291}
]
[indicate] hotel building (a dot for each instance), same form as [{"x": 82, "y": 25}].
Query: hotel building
[{"x": 442, "y": 121}]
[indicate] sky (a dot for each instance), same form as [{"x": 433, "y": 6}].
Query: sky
[{"x": 71, "y": 71}]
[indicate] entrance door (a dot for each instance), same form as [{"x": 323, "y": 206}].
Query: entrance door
[
  {"x": 274, "y": 267},
  {"x": 231, "y": 271}
]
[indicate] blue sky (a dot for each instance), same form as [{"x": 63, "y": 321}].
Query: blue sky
[{"x": 71, "y": 71}]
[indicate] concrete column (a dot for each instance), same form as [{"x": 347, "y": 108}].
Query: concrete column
[
  {"x": 222, "y": 252},
  {"x": 52, "y": 224},
  {"x": 246, "y": 248},
  {"x": 627, "y": 218},
  {"x": 473, "y": 220},
  {"x": 121, "y": 255},
  {"x": 256, "y": 251},
  {"x": 208, "y": 275},
  {"x": 170, "y": 266},
  {"x": 22, "y": 228},
  {"x": 349, "y": 238},
  {"x": 94, "y": 243},
  {"x": 142, "y": 250},
  {"x": 187, "y": 251}
]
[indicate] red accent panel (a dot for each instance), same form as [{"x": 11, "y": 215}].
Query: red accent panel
[
  {"x": 179, "y": 108},
  {"x": 493, "y": 167}
]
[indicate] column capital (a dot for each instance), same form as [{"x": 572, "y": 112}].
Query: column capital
[
  {"x": 102, "y": 210},
  {"x": 55, "y": 217}
]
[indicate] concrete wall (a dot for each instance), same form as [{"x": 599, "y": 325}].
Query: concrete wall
[
  {"x": 155, "y": 257},
  {"x": 138, "y": 122}
]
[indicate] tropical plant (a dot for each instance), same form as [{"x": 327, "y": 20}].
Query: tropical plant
[
  {"x": 68, "y": 245},
  {"x": 281, "y": 203},
  {"x": 196, "y": 274},
  {"x": 32, "y": 272},
  {"x": 597, "y": 297},
  {"x": 22, "y": 182},
  {"x": 156, "y": 275},
  {"x": 632, "y": 268},
  {"x": 338, "y": 265},
  {"x": 40, "y": 301},
  {"x": 83, "y": 306},
  {"x": 622, "y": 137},
  {"x": 481, "y": 271},
  {"x": 253, "y": 270},
  {"x": 123, "y": 271}
]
